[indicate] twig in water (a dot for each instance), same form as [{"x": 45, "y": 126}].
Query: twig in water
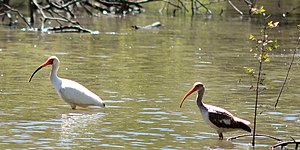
[
  {"x": 294, "y": 8},
  {"x": 283, "y": 144},
  {"x": 261, "y": 135},
  {"x": 287, "y": 74}
]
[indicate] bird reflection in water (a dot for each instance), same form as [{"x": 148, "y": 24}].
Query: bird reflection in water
[{"x": 79, "y": 124}]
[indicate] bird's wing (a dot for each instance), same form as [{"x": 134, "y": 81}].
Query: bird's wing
[
  {"x": 221, "y": 117},
  {"x": 74, "y": 92},
  {"x": 224, "y": 119}
]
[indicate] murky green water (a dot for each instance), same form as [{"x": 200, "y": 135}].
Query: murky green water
[{"x": 142, "y": 76}]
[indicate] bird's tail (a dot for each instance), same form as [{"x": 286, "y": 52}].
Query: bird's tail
[{"x": 243, "y": 124}]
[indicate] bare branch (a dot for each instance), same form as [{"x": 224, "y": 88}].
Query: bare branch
[
  {"x": 240, "y": 12},
  {"x": 287, "y": 74},
  {"x": 292, "y": 9},
  {"x": 174, "y": 5},
  {"x": 55, "y": 14},
  {"x": 19, "y": 14},
  {"x": 207, "y": 10},
  {"x": 183, "y": 6},
  {"x": 86, "y": 9}
]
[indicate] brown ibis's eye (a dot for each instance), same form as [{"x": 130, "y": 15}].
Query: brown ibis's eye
[
  {"x": 51, "y": 61},
  {"x": 199, "y": 85}
]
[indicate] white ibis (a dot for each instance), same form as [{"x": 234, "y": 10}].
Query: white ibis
[
  {"x": 216, "y": 117},
  {"x": 71, "y": 92}
]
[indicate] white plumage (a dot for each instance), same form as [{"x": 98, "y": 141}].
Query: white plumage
[{"x": 70, "y": 91}]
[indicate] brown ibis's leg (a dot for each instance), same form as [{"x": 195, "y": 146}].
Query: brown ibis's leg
[
  {"x": 73, "y": 106},
  {"x": 220, "y": 136}
]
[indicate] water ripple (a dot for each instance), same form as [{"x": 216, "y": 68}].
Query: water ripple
[
  {"x": 145, "y": 134},
  {"x": 154, "y": 113}
]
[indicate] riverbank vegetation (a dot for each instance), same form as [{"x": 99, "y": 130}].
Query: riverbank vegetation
[{"x": 63, "y": 15}]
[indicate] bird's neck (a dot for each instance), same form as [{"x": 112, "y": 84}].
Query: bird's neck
[
  {"x": 199, "y": 99},
  {"x": 53, "y": 74}
]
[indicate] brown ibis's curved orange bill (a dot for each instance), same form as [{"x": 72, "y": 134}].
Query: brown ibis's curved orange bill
[
  {"x": 48, "y": 62},
  {"x": 187, "y": 94}
]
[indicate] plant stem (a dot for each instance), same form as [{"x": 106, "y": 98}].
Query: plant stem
[
  {"x": 257, "y": 85},
  {"x": 256, "y": 101}
]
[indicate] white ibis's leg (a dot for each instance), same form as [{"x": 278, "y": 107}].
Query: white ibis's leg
[
  {"x": 73, "y": 106},
  {"x": 221, "y": 136}
]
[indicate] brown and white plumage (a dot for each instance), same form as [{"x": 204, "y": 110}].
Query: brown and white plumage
[{"x": 218, "y": 118}]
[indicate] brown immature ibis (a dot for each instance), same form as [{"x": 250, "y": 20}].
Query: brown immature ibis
[{"x": 218, "y": 118}]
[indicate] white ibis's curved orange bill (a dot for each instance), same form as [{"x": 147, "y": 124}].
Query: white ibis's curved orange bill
[
  {"x": 187, "y": 94},
  {"x": 47, "y": 62}
]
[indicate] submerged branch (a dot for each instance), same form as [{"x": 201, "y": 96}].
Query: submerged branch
[
  {"x": 283, "y": 144},
  {"x": 64, "y": 29},
  {"x": 258, "y": 135}
]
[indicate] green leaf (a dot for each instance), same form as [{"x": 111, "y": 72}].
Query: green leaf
[
  {"x": 275, "y": 44},
  {"x": 267, "y": 59},
  {"x": 252, "y": 38},
  {"x": 262, "y": 10},
  {"x": 257, "y": 11},
  {"x": 269, "y": 48},
  {"x": 249, "y": 71},
  {"x": 272, "y": 24}
]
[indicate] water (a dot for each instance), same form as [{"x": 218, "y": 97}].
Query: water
[{"x": 142, "y": 76}]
